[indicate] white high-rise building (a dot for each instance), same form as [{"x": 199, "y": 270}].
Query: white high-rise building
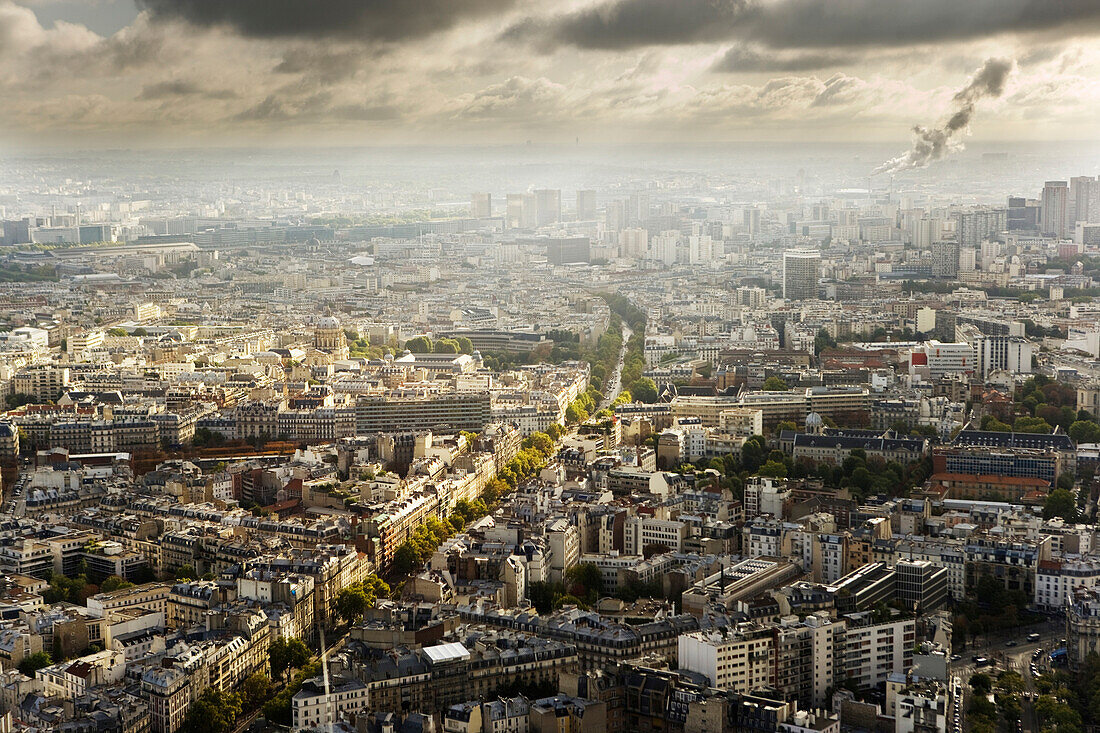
[
  {"x": 634, "y": 243},
  {"x": 1084, "y": 199},
  {"x": 664, "y": 247},
  {"x": 1054, "y": 214},
  {"x": 968, "y": 259}
]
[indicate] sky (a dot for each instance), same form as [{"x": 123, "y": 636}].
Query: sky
[{"x": 177, "y": 73}]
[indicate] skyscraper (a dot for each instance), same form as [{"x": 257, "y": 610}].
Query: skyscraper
[
  {"x": 945, "y": 259},
  {"x": 1055, "y": 211},
  {"x": 513, "y": 217},
  {"x": 481, "y": 205},
  {"x": 1084, "y": 194},
  {"x": 976, "y": 225},
  {"x": 634, "y": 243},
  {"x": 586, "y": 205},
  {"x": 547, "y": 206},
  {"x": 751, "y": 221},
  {"x": 800, "y": 274},
  {"x": 637, "y": 209},
  {"x": 1023, "y": 214}
]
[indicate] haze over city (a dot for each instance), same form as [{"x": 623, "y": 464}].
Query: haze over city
[{"x": 500, "y": 366}]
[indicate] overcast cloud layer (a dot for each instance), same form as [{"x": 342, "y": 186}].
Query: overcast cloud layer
[{"x": 429, "y": 71}]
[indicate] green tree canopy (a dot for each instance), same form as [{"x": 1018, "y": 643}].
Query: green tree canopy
[
  {"x": 284, "y": 654},
  {"x": 644, "y": 390},
  {"x": 775, "y": 384},
  {"x": 1060, "y": 503},
  {"x": 34, "y": 662},
  {"x": 1084, "y": 431},
  {"x": 256, "y": 690},
  {"x": 420, "y": 345},
  {"x": 215, "y": 711},
  {"x": 446, "y": 346}
]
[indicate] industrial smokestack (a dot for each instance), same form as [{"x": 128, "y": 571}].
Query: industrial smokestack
[{"x": 933, "y": 144}]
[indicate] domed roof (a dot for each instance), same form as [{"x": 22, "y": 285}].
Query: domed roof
[
  {"x": 813, "y": 420},
  {"x": 328, "y": 322},
  {"x": 314, "y": 242}
]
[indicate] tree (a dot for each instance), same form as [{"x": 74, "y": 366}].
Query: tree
[
  {"x": 993, "y": 424},
  {"x": 465, "y": 345},
  {"x": 350, "y": 603},
  {"x": 644, "y": 390},
  {"x": 1060, "y": 503},
  {"x": 277, "y": 710},
  {"x": 256, "y": 690},
  {"x": 113, "y": 583},
  {"x": 774, "y": 469},
  {"x": 446, "y": 346},
  {"x": 1011, "y": 681},
  {"x": 541, "y": 442},
  {"x": 354, "y": 600},
  {"x": 1084, "y": 431},
  {"x": 788, "y": 425},
  {"x": 286, "y": 653},
  {"x": 1031, "y": 425},
  {"x": 981, "y": 683},
  {"x": 775, "y": 384},
  {"x": 1065, "y": 481},
  {"x": 420, "y": 345},
  {"x": 185, "y": 572},
  {"x": 405, "y": 559},
  {"x": 375, "y": 588},
  {"x": 18, "y": 399},
  {"x": 823, "y": 341},
  {"x": 34, "y": 662},
  {"x": 215, "y": 711},
  {"x": 585, "y": 580}
]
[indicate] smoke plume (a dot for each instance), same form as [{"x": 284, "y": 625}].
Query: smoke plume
[{"x": 933, "y": 144}]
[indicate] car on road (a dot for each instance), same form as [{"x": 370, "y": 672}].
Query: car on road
[
  {"x": 1033, "y": 637},
  {"x": 956, "y": 657},
  {"x": 1011, "y": 642},
  {"x": 982, "y": 661}
]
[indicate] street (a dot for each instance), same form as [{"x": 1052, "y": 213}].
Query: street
[
  {"x": 612, "y": 387},
  {"x": 1008, "y": 656}
]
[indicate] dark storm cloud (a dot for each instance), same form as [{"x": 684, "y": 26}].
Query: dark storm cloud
[
  {"x": 746, "y": 59},
  {"x": 619, "y": 24},
  {"x": 323, "y": 64},
  {"x": 931, "y": 144},
  {"x": 367, "y": 20},
  {"x": 632, "y": 23},
  {"x": 181, "y": 88}
]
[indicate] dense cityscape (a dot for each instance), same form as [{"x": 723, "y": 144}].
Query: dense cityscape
[
  {"x": 492, "y": 366},
  {"x": 668, "y": 459}
]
